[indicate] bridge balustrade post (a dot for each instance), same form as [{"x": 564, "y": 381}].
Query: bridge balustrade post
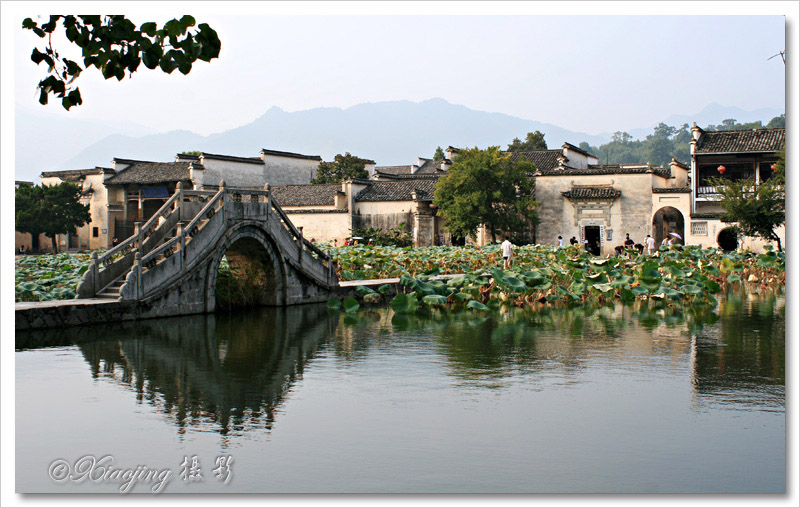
[
  {"x": 330, "y": 267},
  {"x": 183, "y": 246},
  {"x": 222, "y": 187},
  {"x": 137, "y": 230},
  {"x": 179, "y": 187},
  {"x": 300, "y": 243},
  {"x": 95, "y": 273},
  {"x": 269, "y": 199},
  {"x": 137, "y": 265}
]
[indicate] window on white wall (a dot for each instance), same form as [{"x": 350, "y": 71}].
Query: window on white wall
[{"x": 700, "y": 228}]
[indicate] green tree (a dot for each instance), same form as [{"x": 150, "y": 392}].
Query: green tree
[
  {"x": 52, "y": 210},
  {"x": 533, "y": 141},
  {"x": 658, "y": 151},
  {"x": 485, "y": 187},
  {"x": 192, "y": 152},
  {"x": 116, "y": 47},
  {"x": 755, "y": 211},
  {"x": 778, "y": 121},
  {"x": 586, "y": 147},
  {"x": 342, "y": 168},
  {"x": 438, "y": 155}
]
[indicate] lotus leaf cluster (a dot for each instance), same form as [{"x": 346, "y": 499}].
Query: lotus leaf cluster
[
  {"x": 42, "y": 278},
  {"x": 544, "y": 274}
]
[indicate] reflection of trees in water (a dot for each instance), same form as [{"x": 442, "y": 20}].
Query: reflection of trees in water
[
  {"x": 524, "y": 341},
  {"x": 743, "y": 360},
  {"x": 494, "y": 345},
  {"x": 227, "y": 372}
]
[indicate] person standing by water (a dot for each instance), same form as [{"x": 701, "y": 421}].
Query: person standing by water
[
  {"x": 560, "y": 241},
  {"x": 508, "y": 252},
  {"x": 650, "y": 243}
]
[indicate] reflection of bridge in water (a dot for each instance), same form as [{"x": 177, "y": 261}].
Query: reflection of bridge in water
[{"x": 230, "y": 373}]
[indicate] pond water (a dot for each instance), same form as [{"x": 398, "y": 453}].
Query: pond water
[{"x": 594, "y": 399}]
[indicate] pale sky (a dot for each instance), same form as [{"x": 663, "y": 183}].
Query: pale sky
[{"x": 584, "y": 73}]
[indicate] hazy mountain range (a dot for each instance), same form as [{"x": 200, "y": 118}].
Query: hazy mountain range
[{"x": 389, "y": 132}]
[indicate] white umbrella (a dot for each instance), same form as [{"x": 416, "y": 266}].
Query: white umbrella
[{"x": 676, "y": 235}]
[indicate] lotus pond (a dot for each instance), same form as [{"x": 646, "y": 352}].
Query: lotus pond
[
  {"x": 541, "y": 274},
  {"x": 546, "y": 274}
]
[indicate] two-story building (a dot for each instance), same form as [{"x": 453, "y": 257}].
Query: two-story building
[{"x": 731, "y": 155}]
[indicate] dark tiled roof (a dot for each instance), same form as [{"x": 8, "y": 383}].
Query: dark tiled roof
[
  {"x": 305, "y": 195},
  {"x": 679, "y": 164},
  {"x": 592, "y": 193},
  {"x": 151, "y": 172},
  {"x": 291, "y": 154},
  {"x": 398, "y": 191},
  {"x": 316, "y": 210},
  {"x": 70, "y": 175},
  {"x": 393, "y": 170},
  {"x": 127, "y": 161},
  {"x": 671, "y": 190},
  {"x": 755, "y": 140},
  {"x": 576, "y": 149},
  {"x": 430, "y": 167},
  {"x": 233, "y": 158},
  {"x": 609, "y": 169},
  {"x": 425, "y": 176},
  {"x": 544, "y": 160}
]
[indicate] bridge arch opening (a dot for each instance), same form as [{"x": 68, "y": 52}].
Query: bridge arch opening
[
  {"x": 247, "y": 273},
  {"x": 665, "y": 221}
]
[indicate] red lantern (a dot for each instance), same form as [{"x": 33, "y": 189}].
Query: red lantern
[
  {"x": 774, "y": 168},
  {"x": 721, "y": 169}
]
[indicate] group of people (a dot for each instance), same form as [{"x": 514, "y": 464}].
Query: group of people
[
  {"x": 649, "y": 245},
  {"x": 351, "y": 241}
]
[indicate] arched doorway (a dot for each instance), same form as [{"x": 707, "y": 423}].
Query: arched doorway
[
  {"x": 247, "y": 272},
  {"x": 665, "y": 221},
  {"x": 727, "y": 239}
]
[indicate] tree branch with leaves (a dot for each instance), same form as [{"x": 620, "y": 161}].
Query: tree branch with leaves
[{"x": 116, "y": 47}]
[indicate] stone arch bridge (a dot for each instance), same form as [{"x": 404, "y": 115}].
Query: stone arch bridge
[{"x": 170, "y": 264}]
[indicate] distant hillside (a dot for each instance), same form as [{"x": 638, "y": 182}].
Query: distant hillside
[{"x": 389, "y": 132}]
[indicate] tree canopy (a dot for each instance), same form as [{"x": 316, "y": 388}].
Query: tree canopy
[
  {"x": 342, "y": 168},
  {"x": 52, "y": 210},
  {"x": 533, "y": 141},
  {"x": 116, "y": 47},
  {"x": 755, "y": 211},
  {"x": 485, "y": 187},
  {"x": 438, "y": 155}
]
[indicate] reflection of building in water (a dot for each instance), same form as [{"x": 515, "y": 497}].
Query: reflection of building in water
[
  {"x": 230, "y": 373},
  {"x": 742, "y": 359}
]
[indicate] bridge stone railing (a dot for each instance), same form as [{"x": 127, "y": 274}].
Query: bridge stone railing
[
  {"x": 212, "y": 215},
  {"x": 115, "y": 262}
]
